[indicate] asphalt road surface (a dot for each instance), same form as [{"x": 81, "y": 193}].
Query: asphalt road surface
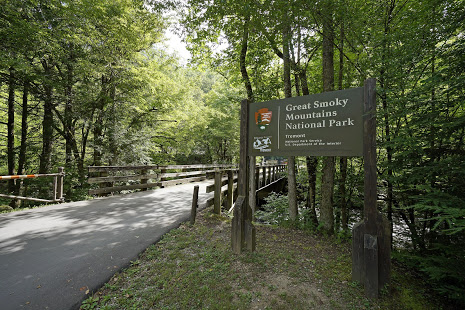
[{"x": 52, "y": 257}]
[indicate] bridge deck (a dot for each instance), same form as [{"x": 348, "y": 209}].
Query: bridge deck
[{"x": 50, "y": 257}]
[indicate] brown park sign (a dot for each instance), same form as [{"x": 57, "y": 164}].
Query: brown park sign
[{"x": 326, "y": 124}]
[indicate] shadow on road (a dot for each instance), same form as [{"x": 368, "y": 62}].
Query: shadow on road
[{"x": 50, "y": 257}]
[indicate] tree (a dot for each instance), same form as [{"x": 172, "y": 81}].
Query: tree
[
  {"x": 292, "y": 186},
  {"x": 68, "y": 47},
  {"x": 327, "y": 180}
]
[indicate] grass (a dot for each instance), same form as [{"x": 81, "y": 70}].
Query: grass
[{"x": 193, "y": 267}]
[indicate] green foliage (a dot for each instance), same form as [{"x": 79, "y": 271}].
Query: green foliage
[
  {"x": 275, "y": 210},
  {"x": 116, "y": 98},
  {"x": 441, "y": 266},
  {"x": 90, "y": 303}
]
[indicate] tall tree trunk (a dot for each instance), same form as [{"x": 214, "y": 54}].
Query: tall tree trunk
[
  {"x": 98, "y": 138},
  {"x": 68, "y": 129},
  {"x": 297, "y": 84},
  {"x": 98, "y": 124},
  {"x": 11, "y": 133},
  {"x": 24, "y": 130},
  {"x": 242, "y": 58},
  {"x": 343, "y": 159},
  {"x": 342, "y": 193},
  {"x": 312, "y": 161},
  {"x": 327, "y": 181},
  {"x": 430, "y": 233},
  {"x": 312, "y": 164},
  {"x": 303, "y": 81},
  {"x": 250, "y": 97},
  {"x": 327, "y": 187},
  {"x": 387, "y": 129},
  {"x": 341, "y": 55},
  {"x": 112, "y": 145},
  {"x": 47, "y": 123},
  {"x": 295, "y": 63},
  {"x": 292, "y": 184}
]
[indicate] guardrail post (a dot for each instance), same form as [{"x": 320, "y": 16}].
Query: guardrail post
[
  {"x": 55, "y": 192},
  {"x": 217, "y": 196},
  {"x": 195, "y": 200},
  {"x": 162, "y": 172},
  {"x": 230, "y": 198},
  {"x": 143, "y": 172},
  {"x": 103, "y": 174},
  {"x": 59, "y": 186}
]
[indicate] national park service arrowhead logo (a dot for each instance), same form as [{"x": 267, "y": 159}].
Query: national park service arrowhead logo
[{"x": 263, "y": 118}]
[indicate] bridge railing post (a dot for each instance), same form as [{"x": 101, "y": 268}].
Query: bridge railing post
[
  {"x": 257, "y": 176},
  {"x": 55, "y": 192},
  {"x": 195, "y": 199},
  {"x": 143, "y": 180},
  {"x": 230, "y": 195},
  {"x": 263, "y": 176},
  {"x": 217, "y": 195},
  {"x": 59, "y": 186},
  {"x": 162, "y": 172}
]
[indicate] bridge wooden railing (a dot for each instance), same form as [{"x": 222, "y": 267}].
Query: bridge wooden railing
[
  {"x": 125, "y": 178},
  {"x": 121, "y": 178},
  {"x": 225, "y": 186},
  {"x": 144, "y": 177},
  {"x": 57, "y": 186}
]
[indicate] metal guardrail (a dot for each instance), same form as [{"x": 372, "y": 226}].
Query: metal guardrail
[{"x": 57, "y": 186}]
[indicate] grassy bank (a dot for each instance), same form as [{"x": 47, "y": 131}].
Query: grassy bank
[{"x": 193, "y": 268}]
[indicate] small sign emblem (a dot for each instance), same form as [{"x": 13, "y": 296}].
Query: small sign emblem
[
  {"x": 263, "y": 144},
  {"x": 263, "y": 118}
]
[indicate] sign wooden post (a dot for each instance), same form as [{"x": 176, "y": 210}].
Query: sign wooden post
[
  {"x": 371, "y": 248},
  {"x": 242, "y": 230}
]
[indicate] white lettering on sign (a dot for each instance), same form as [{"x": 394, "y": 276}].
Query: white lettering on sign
[{"x": 296, "y": 121}]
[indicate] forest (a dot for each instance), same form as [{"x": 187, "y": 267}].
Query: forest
[{"x": 89, "y": 83}]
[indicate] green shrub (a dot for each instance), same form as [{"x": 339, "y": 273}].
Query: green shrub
[{"x": 275, "y": 210}]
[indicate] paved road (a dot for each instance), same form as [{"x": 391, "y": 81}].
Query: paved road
[{"x": 50, "y": 257}]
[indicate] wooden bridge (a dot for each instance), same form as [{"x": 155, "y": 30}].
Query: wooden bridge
[{"x": 121, "y": 179}]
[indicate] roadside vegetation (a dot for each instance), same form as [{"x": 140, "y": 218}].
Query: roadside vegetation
[{"x": 193, "y": 267}]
